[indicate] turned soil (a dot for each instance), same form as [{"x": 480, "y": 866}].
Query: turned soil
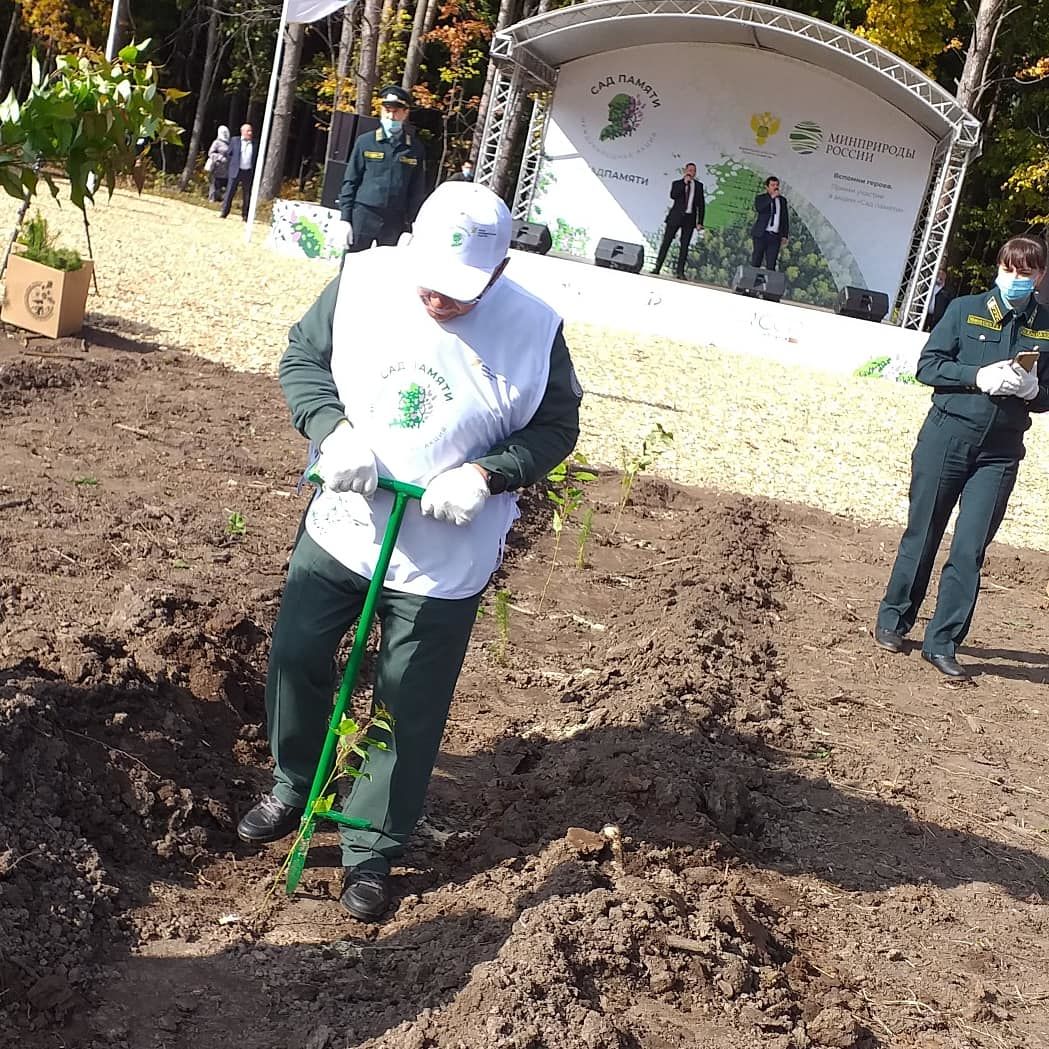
[{"x": 682, "y": 801}]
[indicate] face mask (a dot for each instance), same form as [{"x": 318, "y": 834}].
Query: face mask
[
  {"x": 391, "y": 126},
  {"x": 468, "y": 175},
  {"x": 1014, "y": 288}
]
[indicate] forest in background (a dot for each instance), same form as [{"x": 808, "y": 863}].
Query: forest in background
[{"x": 993, "y": 55}]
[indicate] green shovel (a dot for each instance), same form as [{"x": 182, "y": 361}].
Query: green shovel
[{"x": 297, "y": 860}]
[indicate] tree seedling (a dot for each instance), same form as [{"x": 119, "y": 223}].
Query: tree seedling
[
  {"x": 235, "y": 524},
  {"x": 351, "y": 758},
  {"x": 86, "y": 482},
  {"x": 567, "y": 497},
  {"x": 502, "y": 622},
  {"x": 655, "y": 443},
  {"x": 585, "y": 530}
]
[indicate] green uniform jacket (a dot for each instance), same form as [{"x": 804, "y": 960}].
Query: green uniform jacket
[
  {"x": 388, "y": 176},
  {"x": 521, "y": 459},
  {"x": 975, "y": 331}
]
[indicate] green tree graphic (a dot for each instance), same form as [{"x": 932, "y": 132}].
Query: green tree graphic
[{"x": 415, "y": 404}]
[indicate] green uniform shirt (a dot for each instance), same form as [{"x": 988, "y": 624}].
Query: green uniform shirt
[
  {"x": 975, "y": 331},
  {"x": 389, "y": 175},
  {"x": 521, "y": 459}
]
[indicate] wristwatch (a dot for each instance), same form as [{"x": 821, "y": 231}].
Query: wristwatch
[{"x": 496, "y": 481}]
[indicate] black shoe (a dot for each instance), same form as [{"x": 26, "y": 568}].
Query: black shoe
[
  {"x": 890, "y": 639},
  {"x": 365, "y": 894},
  {"x": 270, "y": 820},
  {"x": 946, "y": 665}
]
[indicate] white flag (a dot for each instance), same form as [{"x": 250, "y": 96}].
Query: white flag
[{"x": 312, "y": 10}]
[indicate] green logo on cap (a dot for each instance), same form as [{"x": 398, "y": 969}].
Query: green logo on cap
[{"x": 457, "y": 239}]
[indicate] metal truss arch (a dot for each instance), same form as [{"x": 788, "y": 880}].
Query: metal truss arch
[{"x": 529, "y": 54}]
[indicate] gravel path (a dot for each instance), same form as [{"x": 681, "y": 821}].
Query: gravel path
[{"x": 176, "y": 275}]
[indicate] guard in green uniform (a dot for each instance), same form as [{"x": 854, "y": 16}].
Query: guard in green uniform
[
  {"x": 385, "y": 180},
  {"x": 969, "y": 448}
]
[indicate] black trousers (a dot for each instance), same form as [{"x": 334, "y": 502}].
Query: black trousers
[
  {"x": 766, "y": 251},
  {"x": 375, "y": 226},
  {"x": 242, "y": 179},
  {"x": 686, "y": 224},
  {"x": 948, "y": 468}
]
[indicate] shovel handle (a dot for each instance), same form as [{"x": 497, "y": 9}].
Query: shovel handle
[{"x": 412, "y": 491}]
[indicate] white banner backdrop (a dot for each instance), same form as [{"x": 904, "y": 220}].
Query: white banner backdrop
[{"x": 624, "y": 123}]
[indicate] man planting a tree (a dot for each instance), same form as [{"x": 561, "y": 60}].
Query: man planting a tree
[{"x": 422, "y": 363}]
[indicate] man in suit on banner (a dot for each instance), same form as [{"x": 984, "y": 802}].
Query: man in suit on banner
[
  {"x": 772, "y": 227},
  {"x": 686, "y": 215}
]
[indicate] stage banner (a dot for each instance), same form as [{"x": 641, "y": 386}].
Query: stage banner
[{"x": 623, "y": 124}]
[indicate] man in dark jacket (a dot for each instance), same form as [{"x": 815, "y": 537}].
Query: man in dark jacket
[
  {"x": 686, "y": 214},
  {"x": 385, "y": 180},
  {"x": 969, "y": 448},
  {"x": 771, "y": 229},
  {"x": 241, "y": 171},
  {"x": 939, "y": 299}
]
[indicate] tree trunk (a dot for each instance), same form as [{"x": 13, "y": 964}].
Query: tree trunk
[
  {"x": 514, "y": 128},
  {"x": 974, "y": 74},
  {"x": 207, "y": 81},
  {"x": 433, "y": 9},
  {"x": 385, "y": 26},
  {"x": 280, "y": 124},
  {"x": 342, "y": 64},
  {"x": 413, "y": 59},
  {"x": 366, "y": 66},
  {"x": 507, "y": 14},
  {"x": 5, "y": 58}
]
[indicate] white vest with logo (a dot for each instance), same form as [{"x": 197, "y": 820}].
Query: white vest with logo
[{"x": 428, "y": 397}]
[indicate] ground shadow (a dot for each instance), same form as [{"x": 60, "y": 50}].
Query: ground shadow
[
  {"x": 119, "y": 333},
  {"x": 689, "y": 788}
]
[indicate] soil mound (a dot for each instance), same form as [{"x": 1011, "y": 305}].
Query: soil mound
[{"x": 113, "y": 773}]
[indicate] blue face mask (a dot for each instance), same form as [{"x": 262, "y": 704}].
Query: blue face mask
[
  {"x": 1014, "y": 288},
  {"x": 391, "y": 126}
]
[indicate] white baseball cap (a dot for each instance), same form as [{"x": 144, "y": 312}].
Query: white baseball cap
[{"x": 459, "y": 237}]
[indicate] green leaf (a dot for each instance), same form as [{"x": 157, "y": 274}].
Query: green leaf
[
  {"x": 36, "y": 76},
  {"x": 128, "y": 54},
  {"x": 324, "y": 804},
  {"x": 347, "y": 727}
]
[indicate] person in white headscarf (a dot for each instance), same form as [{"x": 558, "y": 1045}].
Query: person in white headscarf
[{"x": 217, "y": 164}]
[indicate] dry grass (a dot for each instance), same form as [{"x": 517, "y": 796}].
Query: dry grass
[{"x": 176, "y": 275}]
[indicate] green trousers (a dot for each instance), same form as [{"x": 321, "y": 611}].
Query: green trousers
[
  {"x": 423, "y": 642},
  {"x": 949, "y": 469}
]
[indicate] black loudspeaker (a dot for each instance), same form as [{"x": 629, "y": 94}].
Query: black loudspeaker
[
  {"x": 864, "y": 304},
  {"x": 345, "y": 128},
  {"x": 331, "y": 187},
  {"x": 770, "y": 285},
  {"x": 619, "y": 255},
  {"x": 531, "y": 236}
]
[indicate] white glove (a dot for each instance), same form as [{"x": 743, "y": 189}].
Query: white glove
[
  {"x": 998, "y": 379},
  {"x": 347, "y": 463},
  {"x": 456, "y": 495},
  {"x": 343, "y": 233},
  {"x": 1028, "y": 388}
]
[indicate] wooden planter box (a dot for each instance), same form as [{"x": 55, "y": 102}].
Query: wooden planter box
[{"x": 49, "y": 302}]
